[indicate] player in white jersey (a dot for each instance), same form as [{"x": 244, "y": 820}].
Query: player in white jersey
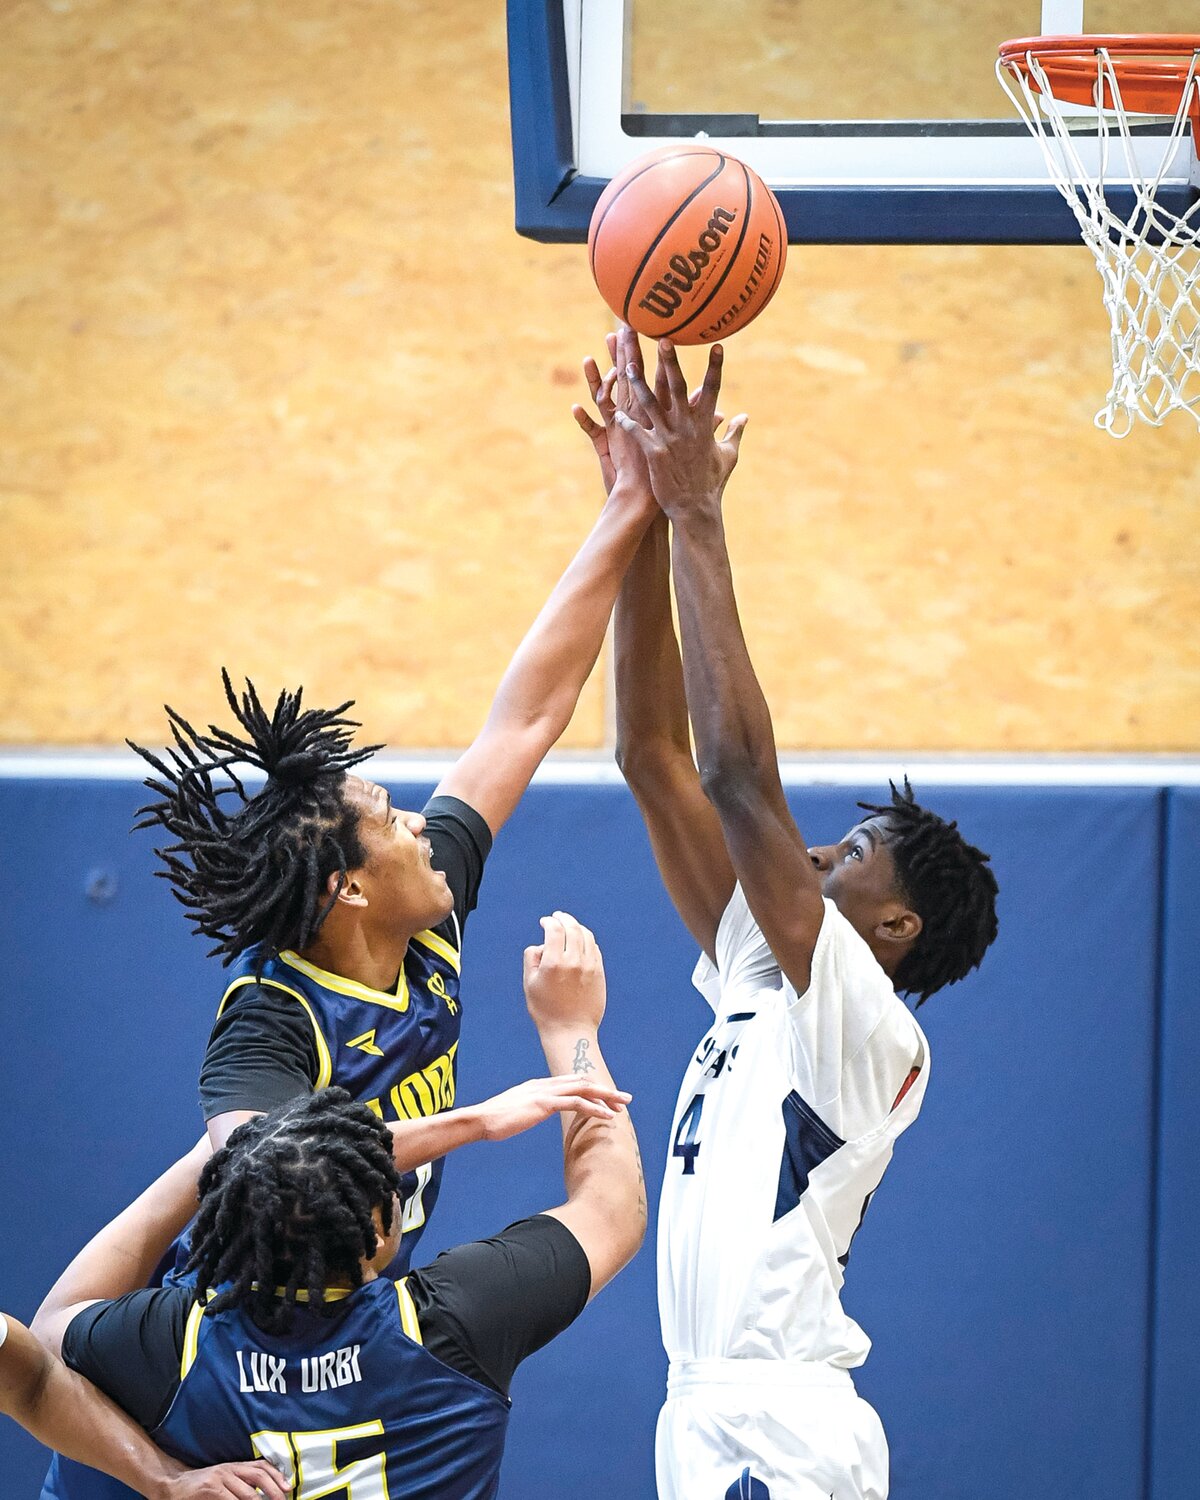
[{"x": 812, "y": 1067}]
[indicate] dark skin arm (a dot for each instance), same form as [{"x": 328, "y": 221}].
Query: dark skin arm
[
  {"x": 735, "y": 741},
  {"x": 67, "y": 1413},
  {"x": 653, "y": 741}
]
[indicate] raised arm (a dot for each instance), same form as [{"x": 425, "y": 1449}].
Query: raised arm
[
  {"x": 735, "y": 742},
  {"x": 606, "y": 1192},
  {"x": 654, "y": 747},
  {"x": 538, "y": 693}
]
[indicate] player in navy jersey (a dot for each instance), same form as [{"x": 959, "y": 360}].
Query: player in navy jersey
[
  {"x": 63, "y": 1410},
  {"x": 307, "y": 1353},
  {"x": 342, "y": 915}
]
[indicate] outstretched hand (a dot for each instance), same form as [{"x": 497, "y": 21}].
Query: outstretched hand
[
  {"x": 237, "y": 1481},
  {"x": 689, "y": 465},
  {"x": 528, "y": 1104},
  {"x": 618, "y": 454}
]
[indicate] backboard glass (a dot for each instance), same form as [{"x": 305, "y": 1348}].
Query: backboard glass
[{"x": 873, "y": 123}]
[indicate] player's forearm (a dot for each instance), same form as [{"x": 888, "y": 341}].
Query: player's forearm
[
  {"x": 122, "y": 1256},
  {"x": 551, "y": 665},
  {"x": 652, "y": 718},
  {"x": 65, "y": 1412},
  {"x": 600, "y": 1157},
  {"x": 735, "y": 741},
  {"x": 416, "y": 1142}
]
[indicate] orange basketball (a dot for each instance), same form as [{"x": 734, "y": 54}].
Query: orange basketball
[{"x": 687, "y": 243}]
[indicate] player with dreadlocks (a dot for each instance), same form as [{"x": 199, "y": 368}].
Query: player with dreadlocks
[
  {"x": 298, "y": 1347},
  {"x": 812, "y": 1066},
  {"x": 342, "y": 917}
]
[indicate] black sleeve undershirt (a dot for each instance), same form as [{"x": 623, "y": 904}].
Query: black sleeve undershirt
[
  {"x": 461, "y": 843},
  {"x": 482, "y": 1307},
  {"x": 262, "y": 1052},
  {"x": 131, "y": 1348},
  {"x": 486, "y": 1306}
]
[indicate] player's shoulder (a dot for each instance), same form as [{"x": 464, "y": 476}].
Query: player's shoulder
[
  {"x": 842, "y": 953},
  {"x": 150, "y": 1318},
  {"x": 257, "y": 993},
  {"x": 845, "y": 980},
  {"x": 454, "y": 817}
]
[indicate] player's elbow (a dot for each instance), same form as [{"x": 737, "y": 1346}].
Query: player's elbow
[
  {"x": 26, "y": 1380},
  {"x": 623, "y": 1234},
  {"x": 648, "y": 763},
  {"x": 623, "y": 1209},
  {"x": 733, "y": 781},
  {"x": 45, "y": 1326},
  {"x": 634, "y": 1221}
]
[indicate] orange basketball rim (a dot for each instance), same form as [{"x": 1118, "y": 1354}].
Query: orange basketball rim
[{"x": 1151, "y": 70}]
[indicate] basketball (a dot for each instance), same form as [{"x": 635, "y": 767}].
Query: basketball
[{"x": 687, "y": 243}]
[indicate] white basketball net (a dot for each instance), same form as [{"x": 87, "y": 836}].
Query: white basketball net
[{"x": 1150, "y": 262}]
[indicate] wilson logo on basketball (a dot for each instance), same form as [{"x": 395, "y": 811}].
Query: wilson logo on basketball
[{"x": 669, "y": 290}]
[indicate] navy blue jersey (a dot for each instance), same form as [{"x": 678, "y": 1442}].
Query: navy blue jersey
[
  {"x": 396, "y": 1052},
  {"x": 406, "y": 1383},
  {"x": 353, "y": 1402}
]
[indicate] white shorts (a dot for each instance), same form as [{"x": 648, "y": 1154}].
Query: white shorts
[{"x": 741, "y": 1429}]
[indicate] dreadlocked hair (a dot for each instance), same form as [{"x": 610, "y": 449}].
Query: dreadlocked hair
[
  {"x": 286, "y": 1207},
  {"x": 949, "y": 884},
  {"x": 257, "y": 871}
]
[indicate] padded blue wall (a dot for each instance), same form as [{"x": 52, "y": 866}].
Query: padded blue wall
[
  {"x": 1176, "y": 1389},
  {"x": 1004, "y": 1270}
]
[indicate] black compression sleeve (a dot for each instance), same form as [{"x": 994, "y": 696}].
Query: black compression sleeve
[
  {"x": 461, "y": 843},
  {"x": 130, "y": 1348},
  {"x": 262, "y": 1052},
  {"x": 485, "y": 1307}
]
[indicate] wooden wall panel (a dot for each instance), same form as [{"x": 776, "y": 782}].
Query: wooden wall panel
[
  {"x": 284, "y": 389},
  {"x": 280, "y": 387}
]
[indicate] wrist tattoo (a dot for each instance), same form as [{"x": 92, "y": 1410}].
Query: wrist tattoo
[{"x": 582, "y": 1063}]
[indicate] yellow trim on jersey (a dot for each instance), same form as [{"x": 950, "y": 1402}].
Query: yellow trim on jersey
[
  {"x": 408, "y": 1312},
  {"x": 236, "y": 985},
  {"x": 438, "y": 944},
  {"x": 191, "y": 1340},
  {"x": 324, "y": 1065},
  {"x": 398, "y": 1000}
]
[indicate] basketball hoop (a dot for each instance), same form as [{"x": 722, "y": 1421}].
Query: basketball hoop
[{"x": 1149, "y": 258}]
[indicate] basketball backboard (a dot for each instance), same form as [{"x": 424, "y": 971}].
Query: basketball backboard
[{"x": 873, "y": 123}]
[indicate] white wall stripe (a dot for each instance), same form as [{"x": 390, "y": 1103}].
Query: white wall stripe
[{"x": 567, "y": 769}]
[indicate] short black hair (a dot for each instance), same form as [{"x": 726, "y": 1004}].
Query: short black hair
[
  {"x": 949, "y": 884},
  {"x": 286, "y": 1207},
  {"x": 258, "y": 872}
]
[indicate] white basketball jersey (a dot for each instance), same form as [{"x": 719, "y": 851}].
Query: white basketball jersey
[{"x": 783, "y": 1130}]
